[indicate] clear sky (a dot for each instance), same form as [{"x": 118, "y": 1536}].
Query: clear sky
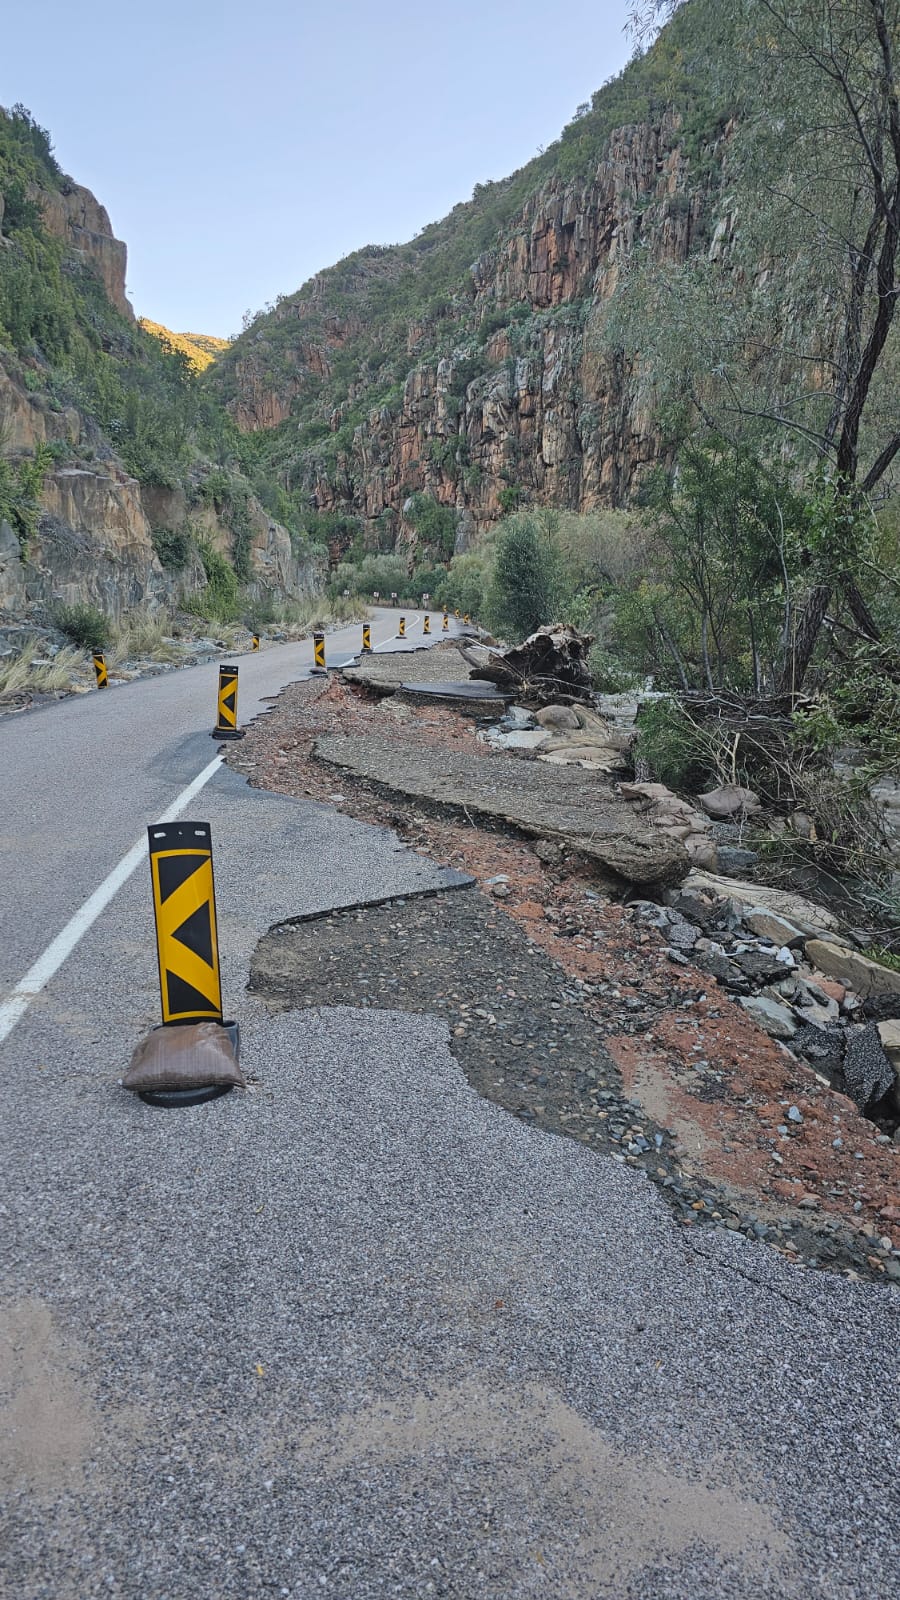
[{"x": 239, "y": 147}]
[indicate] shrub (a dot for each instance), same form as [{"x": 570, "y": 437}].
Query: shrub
[
  {"x": 526, "y": 581},
  {"x": 219, "y": 600},
  {"x": 84, "y": 625},
  {"x": 173, "y": 547}
]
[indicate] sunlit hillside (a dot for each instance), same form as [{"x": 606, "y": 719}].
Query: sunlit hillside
[{"x": 201, "y": 349}]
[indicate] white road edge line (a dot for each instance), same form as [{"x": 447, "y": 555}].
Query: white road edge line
[
  {"x": 13, "y": 1009},
  {"x": 385, "y": 642}
]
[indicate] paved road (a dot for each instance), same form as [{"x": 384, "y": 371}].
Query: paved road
[
  {"x": 358, "y": 1332},
  {"x": 81, "y": 779}
]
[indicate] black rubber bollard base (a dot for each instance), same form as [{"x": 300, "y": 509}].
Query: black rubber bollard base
[
  {"x": 168, "y": 1099},
  {"x": 229, "y": 733}
]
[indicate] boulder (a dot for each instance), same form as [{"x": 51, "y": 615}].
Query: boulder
[
  {"x": 731, "y": 800},
  {"x": 854, "y": 970},
  {"x": 795, "y": 908},
  {"x": 735, "y": 859},
  {"x": 557, "y": 717},
  {"x": 769, "y": 925},
  {"x": 777, "y": 1020}
]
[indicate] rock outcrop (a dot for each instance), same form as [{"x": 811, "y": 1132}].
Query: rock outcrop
[
  {"x": 74, "y": 215},
  {"x": 540, "y": 404}
]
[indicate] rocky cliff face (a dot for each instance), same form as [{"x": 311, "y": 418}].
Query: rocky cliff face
[
  {"x": 75, "y": 216},
  {"x": 94, "y": 539},
  {"x": 548, "y": 415}
]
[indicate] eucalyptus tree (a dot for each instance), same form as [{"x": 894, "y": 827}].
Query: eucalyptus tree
[{"x": 779, "y": 332}]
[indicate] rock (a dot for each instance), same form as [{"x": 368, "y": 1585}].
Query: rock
[
  {"x": 548, "y": 851},
  {"x": 769, "y": 925},
  {"x": 855, "y": 971},
  {"x": 554, "y": 716},
  {"x": 776, "y": 1019},
  {"x": 729, "y": 801},
  {"x": 795, "y": 908},
  {"x": 817, "y": 1016},
  {"x": 758, "y": 965},
  {"x": 733, "y": 859},
  {"x": 867, "y": 1071},
  {"x": 681, "y": 934},
  {"x": 889, "y": 1034}
]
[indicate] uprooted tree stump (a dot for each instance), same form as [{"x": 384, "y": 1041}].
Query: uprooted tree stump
[{"x": 550, "y": 665}]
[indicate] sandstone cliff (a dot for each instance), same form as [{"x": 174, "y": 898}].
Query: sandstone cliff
[
  {"x": 502, "y": 391},
  {"x": 73, "y": 215}
]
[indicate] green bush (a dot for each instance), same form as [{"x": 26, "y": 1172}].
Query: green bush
[
  {"x": 525, "y": 589},
  {"x": 609, "y": 674},
  {"x": 84, "y": 625},
  {"x": 219, "y": 600},
  {"x": 173, "y": 547},
  {"x": 669, "y": 741}
]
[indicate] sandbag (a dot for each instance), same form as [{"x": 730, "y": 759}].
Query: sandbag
[{"x": 188, "y": 1056}]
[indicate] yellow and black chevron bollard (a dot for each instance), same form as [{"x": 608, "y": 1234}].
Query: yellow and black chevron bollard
[
  {"x": 254, "y": 642},
  {"x": 456, "y": 614},
  {"x": 226, "y": 722},
  {"x": 401, "y": 630},
  {"x": 445, "y": 624},
  {"x": 99, "y": 661},
  {"x": 184, "y": 910},
  {"x": 319, "y": 668},
  {"x": 426, "y": 625},
  {"x": 466, "y": 617},
  {"x": 366, "y": 639}
]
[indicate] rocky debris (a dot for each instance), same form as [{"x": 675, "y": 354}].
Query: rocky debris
[
  {"x": 690, "y": 1059},
  {"x": 853, "y": 969},
  {"x": 674, "y": 817},
  {"x": 804, "y": 914},
  {"x": 755, "y": 955},
  {"x": 777, "y": 1020},
  {"x": 563, "y": 803},
  {"x": 548, "y": 664},
  {"x": 731, "y": 800}
]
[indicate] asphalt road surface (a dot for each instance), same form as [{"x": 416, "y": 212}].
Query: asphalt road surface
[{"x": 356, "y": 1331}]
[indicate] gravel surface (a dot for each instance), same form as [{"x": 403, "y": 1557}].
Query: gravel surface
[{"x": 521, "y": 1029}]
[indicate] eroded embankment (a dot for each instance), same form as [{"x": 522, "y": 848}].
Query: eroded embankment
[{"x": 686, "y": 1072}]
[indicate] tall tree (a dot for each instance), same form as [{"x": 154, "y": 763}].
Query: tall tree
[{"x": 794, "y": 306}]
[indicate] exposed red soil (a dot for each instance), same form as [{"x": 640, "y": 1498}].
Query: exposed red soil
[{"x": 726, "y": 1114}]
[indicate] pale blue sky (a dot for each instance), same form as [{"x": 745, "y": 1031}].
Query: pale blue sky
[{"x": 241, "y": 147}]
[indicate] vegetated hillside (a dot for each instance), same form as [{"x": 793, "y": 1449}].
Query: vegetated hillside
[
  {"x": 118, "y": 480},
  {"x": 468, "y": 364},
  {"x": 200, "y": 350}
]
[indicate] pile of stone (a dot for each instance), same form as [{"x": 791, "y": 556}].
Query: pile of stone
[{"x": 797, "y": 974}]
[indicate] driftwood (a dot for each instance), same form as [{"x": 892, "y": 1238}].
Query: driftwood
[{"x": 551, "y": 665}]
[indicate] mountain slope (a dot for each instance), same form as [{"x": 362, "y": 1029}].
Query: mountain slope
[
  {"x": 468, "y": 364},
  {"x": 199, "y": 349},
  {"x": 108, "y": 446}
]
